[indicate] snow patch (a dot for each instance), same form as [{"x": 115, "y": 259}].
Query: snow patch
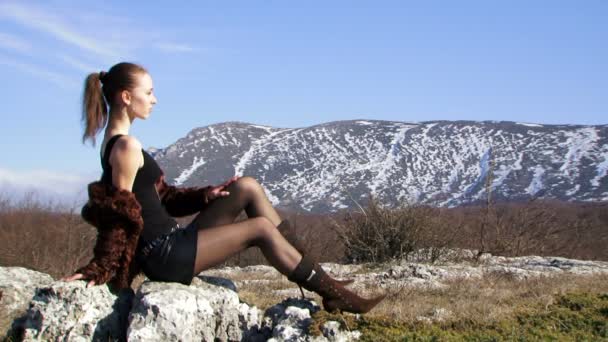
[
  {"x": 268, "y": 128},
  {"x": 602, "y": 169},
  {"x": 536, "y": 184},
  {"x": 389, "y": 161},
  {"x": 196, "y": 163},
  {"x": 573, "y": 190},
  {"x": 529, "y": 124},
  {"x": 579, "y": 144},
  {"x": 247, "y": 156},
  {"x": 504, "y": 170},
  {"x": 484, "y": 167}
]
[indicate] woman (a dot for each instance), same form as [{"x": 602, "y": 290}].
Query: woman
[{"x": 133, "y": 207}]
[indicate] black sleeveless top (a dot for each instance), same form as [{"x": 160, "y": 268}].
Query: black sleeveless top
[{"x": 156, "y": 219}]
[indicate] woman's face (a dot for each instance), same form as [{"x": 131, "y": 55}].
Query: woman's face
[{"x": 142, "y": 97}]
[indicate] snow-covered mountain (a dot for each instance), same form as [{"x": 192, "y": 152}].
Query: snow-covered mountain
[{"x": 327, "y": 167}]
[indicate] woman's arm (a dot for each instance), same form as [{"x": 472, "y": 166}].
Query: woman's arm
[
  {"x": 187, "y": 201},
  {"x": 125, "y": 160},
  {"x": 182, "y": 201}
]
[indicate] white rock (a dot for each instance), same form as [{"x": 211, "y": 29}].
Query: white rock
[
  {"x": 209, "y": 309},
  {"x": 202, "y": 311},
  {"x": 292, "y": 317},
  {"x": 17, "y": 287},
  {"x": 70, "y": 311},
  {"x": 331, "y": 331}
]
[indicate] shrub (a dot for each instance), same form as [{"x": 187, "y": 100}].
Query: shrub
[{"x": 381, "y": 234}]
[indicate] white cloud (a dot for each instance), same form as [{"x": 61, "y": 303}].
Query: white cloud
[
  {"x": 42, "y": 20},
  {"x": 45, "y": 180},
  {"x": 119, "y": 39},
  {"x": 102, "y": 37},
  {"x": 14, "y": 43},
  {"x": 59, "y": 79},
  {"x": 67, "y": 189}
]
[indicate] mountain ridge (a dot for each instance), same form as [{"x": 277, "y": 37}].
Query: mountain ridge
[{"x": 326, "y": 167}]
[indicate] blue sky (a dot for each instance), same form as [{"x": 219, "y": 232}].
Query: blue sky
[{"x": 291, "y": 64}]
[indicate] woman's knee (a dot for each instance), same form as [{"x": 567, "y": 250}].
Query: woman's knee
[
  {"x": 264, "y": 229},
  {"x": 247, "y": 185}
]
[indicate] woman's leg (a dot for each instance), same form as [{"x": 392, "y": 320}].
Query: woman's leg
[
  {"x": 245, "y": 194},
  {"x": 218, "y": 243}
]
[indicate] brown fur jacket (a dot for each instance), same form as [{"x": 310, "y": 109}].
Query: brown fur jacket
[{"x": 116, "y": 214}]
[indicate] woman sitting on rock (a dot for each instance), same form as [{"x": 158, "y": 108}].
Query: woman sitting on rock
[{"x": 133, "y": 207}]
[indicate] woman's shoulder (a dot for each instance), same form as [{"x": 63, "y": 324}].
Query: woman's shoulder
[
  {"x": 123, "y": 142},
  {"x": 128, "y": 143},
  {"x": 126, "y": 149}
]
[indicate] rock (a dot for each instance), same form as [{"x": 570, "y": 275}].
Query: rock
[
  {"x": 223, "y": 282},
  {"x": 291, "y": 318},
  {"x": 158, "y": 311},
  {"x": 199, "y": 312},
  {"x": 17, "y": 287},
  {"x": 441, "y": 254},
  {"x": 425, "y": 276},
  {"x": 331, "y": 331},
  {"x": 69, "y": 310},
  {"x": 257, "y": 270},
  {"x": 210, "y": 309}
]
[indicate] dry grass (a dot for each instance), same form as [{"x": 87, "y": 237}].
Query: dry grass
[
  {"x": 480, "y": 301},
  {"x": 487, "y": 300},
  {"x": 263, "y": 295}
]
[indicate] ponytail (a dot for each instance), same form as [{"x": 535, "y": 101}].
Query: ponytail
[{"x": 94, "y": 109}]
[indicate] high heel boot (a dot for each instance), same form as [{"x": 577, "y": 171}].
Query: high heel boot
[
  {"x": 289, "y": 233},
  {"x": 336, "y": 297}
]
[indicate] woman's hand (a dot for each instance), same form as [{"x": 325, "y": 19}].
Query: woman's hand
[
  {"x": 218, "y": 191},
  {"x": 78, "y": 276}
]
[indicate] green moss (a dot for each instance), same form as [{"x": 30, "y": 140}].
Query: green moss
[{"x": 572, "y": 317}]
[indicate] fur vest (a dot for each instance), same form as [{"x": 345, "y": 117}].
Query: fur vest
[{"x": 116, "y": 214}]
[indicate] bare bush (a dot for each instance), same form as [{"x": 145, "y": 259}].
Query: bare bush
[
  {"x": 533, "y": 227},
  {"x": 379, "y": 234},
  {"x": 530, "y": 228},
  {"x": 43, "y": 235}
]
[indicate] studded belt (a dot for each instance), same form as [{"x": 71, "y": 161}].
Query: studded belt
[{"x": 147, "y": 249}]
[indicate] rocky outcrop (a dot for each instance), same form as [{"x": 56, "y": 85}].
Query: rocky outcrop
[
  {"x": 39, "y": 308},
  {"x": 71, "y": 311},
  {"x": 201, "y": 311},
  {"x": 519, "y": 268},
  {"x": 17, "y": 287},
  {"x": 207, "y": 310},
  {"x": 292, "y": 317}
]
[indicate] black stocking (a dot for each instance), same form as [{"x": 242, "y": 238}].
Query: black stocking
[{"x": 219, "y": 238}]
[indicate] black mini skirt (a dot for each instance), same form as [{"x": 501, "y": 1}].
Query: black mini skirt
[{"x": 173, "y": 259}]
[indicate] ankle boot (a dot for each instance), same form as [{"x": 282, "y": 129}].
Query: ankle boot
[
  {"x": 336, "y": 297},
  {"x": 290, "y": 234}
]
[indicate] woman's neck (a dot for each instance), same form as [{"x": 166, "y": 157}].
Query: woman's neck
[{"x": 119, "y": 123}]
